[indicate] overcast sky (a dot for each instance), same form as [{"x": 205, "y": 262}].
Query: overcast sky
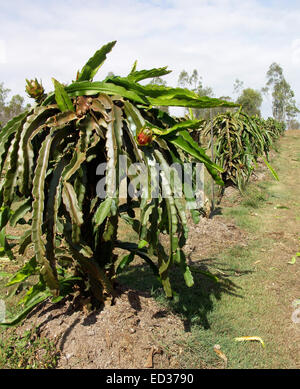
[{"x": 222, "y": 39}]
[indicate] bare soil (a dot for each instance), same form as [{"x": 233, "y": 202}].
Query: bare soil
[
  {"x": 128, "y": 334},
  {"x": 210, "y": 236}
]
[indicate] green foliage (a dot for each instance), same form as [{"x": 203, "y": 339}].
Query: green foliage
[
  {"x": 49, "y": 159},
  {"x": 250, "y": 100},
  {"x": 239, "y": 140},
  {"x": 283, "y": 104},
  {"x": 11, "y": 108},
  {"x": 62, "y": 99},
  {"x": 94, "y": 63},
  {"x": 157, "y": 80}
]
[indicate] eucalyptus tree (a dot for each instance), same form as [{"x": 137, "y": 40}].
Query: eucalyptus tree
[
  {"x": 251, "y": 101},
  {"x": 283, "y": 102},
  {"x": 10, "y": 107},
  {"x": 194, "y": 83}
]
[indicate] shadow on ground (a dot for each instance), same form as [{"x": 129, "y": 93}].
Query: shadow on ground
[{"x": 192, "y": 304}]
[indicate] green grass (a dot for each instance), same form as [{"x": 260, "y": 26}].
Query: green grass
[
  {"x": 254, "y": 197},
  {"x": 297, "y": 158},
  {"x": 213, "y": 311},
  {"x": 26, "y": 351},
  {"x": 216, "y": 313},
  {"x": 29, "y": 351},
  {"x": 8, "y": 295}
]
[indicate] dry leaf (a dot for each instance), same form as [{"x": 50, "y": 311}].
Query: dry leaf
[
  {"x": 108, "y": 339},
  {"x": 220, "y": 353},
  {"x": 149, "y": 362},
  {"x": 242, "y": 338},
  {"x": 83, "y": 105}
]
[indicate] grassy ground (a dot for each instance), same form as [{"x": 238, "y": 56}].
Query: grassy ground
[
  {"x": 260, "y": 287},
  {"x": 27, "y": 350}
]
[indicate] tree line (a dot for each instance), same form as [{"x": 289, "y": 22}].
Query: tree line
[{"x": 12, "y": 107}]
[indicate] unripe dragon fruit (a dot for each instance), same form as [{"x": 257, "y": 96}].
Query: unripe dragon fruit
[{"x": 144, "y": 137}]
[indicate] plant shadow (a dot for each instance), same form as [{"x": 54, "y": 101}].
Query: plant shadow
[
  {"x": 217, "y": 211},
  {"x": 194, "y": 304}
]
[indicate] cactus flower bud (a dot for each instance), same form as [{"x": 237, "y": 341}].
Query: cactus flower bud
[{"x": 35, "y": 90}]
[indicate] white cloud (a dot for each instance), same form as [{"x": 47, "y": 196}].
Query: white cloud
[
  {"x": 296, "y": 52},
  {"x": 222, "y": 39},
  {"x": 2, "y": 52}
]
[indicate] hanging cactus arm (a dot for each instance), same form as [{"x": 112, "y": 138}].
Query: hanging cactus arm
[{"x": 48, "y": 270}]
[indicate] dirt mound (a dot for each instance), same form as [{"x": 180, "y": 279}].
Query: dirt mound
[{"x": 130, "y": 334}]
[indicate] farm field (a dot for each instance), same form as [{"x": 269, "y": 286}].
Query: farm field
[
  {"x": 149, "y": 189},
  {"x": 247, "y": 245}
]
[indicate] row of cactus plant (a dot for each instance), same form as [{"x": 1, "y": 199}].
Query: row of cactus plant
[{"x": 239, "y": 141}]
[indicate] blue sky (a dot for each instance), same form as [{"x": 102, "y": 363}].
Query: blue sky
[{"x": 222, "y": 39}]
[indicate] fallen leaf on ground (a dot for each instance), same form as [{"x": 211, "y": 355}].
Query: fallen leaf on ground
[
  {"x": 281, "y": 207},
  {"x": 242, "y": 338},
  {"x": 108, "y": 339},
  {"x": 149, "y": 362},
  {"x": 220, "y": 353}
]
